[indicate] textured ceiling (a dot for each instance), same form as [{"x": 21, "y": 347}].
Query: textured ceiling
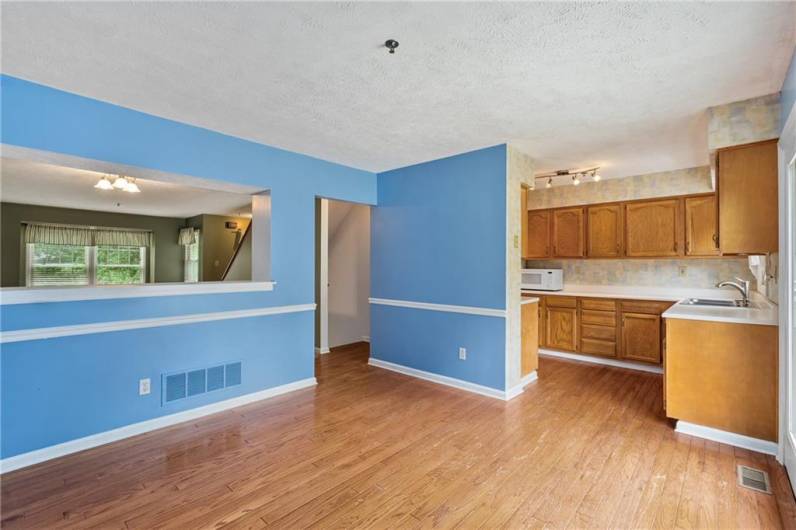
[
  {"x": 28, "y": 182},
  {"x": 624, "y": 85}
]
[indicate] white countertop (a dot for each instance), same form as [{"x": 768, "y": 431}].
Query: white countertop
[
  {"x": 763, "y": 312},
  {"x": 528, "y": 300}
]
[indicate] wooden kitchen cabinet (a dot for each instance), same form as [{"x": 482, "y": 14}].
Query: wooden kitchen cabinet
[
  {"x": 542, "y": 309},
  {"x": 538, "y": 235},
  {"x": 748, "y": 205},
  {"x": 701, "y": 226},
  {"x": 723, "y": 375},
  {"x": 604, "y": 233},
  {"x": 561, "y": 323},
  {"x": 653, "y": 228},
  {"x": 568, "y": 233},
  {"x": 530, "y": 339},
  {"x": 641, "y": 337}
]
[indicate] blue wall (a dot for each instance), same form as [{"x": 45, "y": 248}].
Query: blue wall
[
  {"x": 788, "y": 98},
  {"x": 274, "y": 349},
  {"x": 439, "y": 236}
]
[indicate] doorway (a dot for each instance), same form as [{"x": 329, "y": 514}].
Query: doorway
[{"x": 342, "y": 274}]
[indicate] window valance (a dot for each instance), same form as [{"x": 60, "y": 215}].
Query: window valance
[
  {"x": 187, "y": 236},
  {"x": 53, "y": 234}
]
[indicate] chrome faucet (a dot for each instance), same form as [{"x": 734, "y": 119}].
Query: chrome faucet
[{"x": 741, "y": 285}]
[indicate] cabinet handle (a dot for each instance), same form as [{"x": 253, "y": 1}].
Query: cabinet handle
[
  {"x": 675, "y": 246},
  {"x": 688, "y": 247},
  {"x": 716, "y": 240}
]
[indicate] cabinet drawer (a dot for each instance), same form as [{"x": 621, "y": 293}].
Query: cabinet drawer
[
  {"x": 600, "y": 318},
  {"x": 640, "y": 306},
  {"x": 598, "y": 347},
  {"x": 598, "y": 332},
  {"x": 600, "y": 304},
  {"x": 561, "y": 301}
]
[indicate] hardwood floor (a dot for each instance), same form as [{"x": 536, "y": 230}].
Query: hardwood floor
[{"x": 584, "y": 446}]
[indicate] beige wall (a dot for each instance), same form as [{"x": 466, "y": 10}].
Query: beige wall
[
  {"x": 663, "y": 184},
  {"x": 349, "y": 272},
  {"x": 743, "y": 122}
]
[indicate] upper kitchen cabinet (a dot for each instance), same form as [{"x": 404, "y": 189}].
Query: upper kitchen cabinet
[
  {"x": 604, "y": 237},
  {"x": 747, "y": 186},
  {"x": 701, "y": 226},
  {"x": 653, "y": 228},
  {"x": 568, "y": 233},
  {"x": 538, "y": 234}
]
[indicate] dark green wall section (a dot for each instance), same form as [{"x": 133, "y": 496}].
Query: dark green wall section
[{"x": 168, "y": 254}]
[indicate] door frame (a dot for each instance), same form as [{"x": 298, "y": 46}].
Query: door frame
[{"x": 787, "y": 363}]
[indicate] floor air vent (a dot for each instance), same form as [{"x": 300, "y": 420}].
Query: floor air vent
[{"x": 754, "y": 479}]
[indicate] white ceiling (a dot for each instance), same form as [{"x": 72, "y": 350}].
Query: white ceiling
[
  {"x": 26, "y": 182},
  {"x": 622, "y": 85}
]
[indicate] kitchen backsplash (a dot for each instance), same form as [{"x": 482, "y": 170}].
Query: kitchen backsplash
[
  {"x": 698, "y": 273},
  {"x": 662, "y": 184}
]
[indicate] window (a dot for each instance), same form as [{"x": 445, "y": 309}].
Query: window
[
  {"x": 57, "y": 265},
  {"x": 120, "y": 265},
  {"x": 65, "y": 265},
  {"x": 191, "y": 259}
]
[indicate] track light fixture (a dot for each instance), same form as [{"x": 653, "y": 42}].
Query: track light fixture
[{"x": 575, "y": 175}]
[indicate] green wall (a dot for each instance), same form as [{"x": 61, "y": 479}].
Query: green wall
[{"x": 168, "y": 254}]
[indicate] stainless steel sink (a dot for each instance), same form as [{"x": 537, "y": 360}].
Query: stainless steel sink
[{"x": 709, "y": 302}]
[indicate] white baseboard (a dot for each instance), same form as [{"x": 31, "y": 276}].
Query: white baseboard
[
  {"x": 600, "y": 360},
  {"x": 519, "y": 388},
  {"x": 73, "y": 446},
  {"x": 443, "y": 380},
  {"x": 322, "y": 351},
  {"x": 729, "y": 438}
]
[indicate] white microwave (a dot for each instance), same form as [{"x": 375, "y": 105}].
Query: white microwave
[{"x": 542, "y": 279}]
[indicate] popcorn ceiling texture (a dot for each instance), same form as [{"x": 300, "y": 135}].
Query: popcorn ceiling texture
[
  {"x": 700, "y": 273},
  {"x": 661, "y": 184},
  {"x": 623, "y": 85},
  {"x": 743, "y": 122}
]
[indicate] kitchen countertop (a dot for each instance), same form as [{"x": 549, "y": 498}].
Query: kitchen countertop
[
  {"x": 528, "y": 299},
  {"x": 763, "y": 313}
]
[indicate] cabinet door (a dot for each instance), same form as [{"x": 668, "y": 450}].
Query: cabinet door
[
  {"x": 561, "y": 327},
  {"x": 530, "y": 339},
  {"x": 641, "y": 337},
  {"x": 538, "y": 234},
  {"x": 604, "y": 233},
  {"x": 568, "y": 233},
  {"x": 653, "y": 228},
  {"x": 701, "y": 226},
  {"x": 748, "y": 198},
  {"x": 524, "y": 242},
  {"x": 542, "y": 323}
]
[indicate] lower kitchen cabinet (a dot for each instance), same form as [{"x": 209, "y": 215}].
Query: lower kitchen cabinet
[
  {"x": 604, "y": 327},
  {"x": 641, "y": 337},
  {"x": 530, "y": 345},
  {"x": 723, "y": 375},
  {"x": 561, "y": 325}
]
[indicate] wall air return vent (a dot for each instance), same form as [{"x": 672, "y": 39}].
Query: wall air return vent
[{"x": 181, "y": 385}]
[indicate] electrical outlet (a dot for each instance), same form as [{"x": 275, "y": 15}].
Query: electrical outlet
[
  {"x": 144, "y": 387},
  {"x": 682, "y": 270},
  {"x": 463, "y": 354},
  {"x": 516, "y": 241}
]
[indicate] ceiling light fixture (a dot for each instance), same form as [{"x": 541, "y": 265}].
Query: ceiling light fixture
[
  {"x": 131, "y": 187},
  {"x": 576, "y": 175},
  {"x": 120, "y": 183},
  {"x": 104, "y": 184}
]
